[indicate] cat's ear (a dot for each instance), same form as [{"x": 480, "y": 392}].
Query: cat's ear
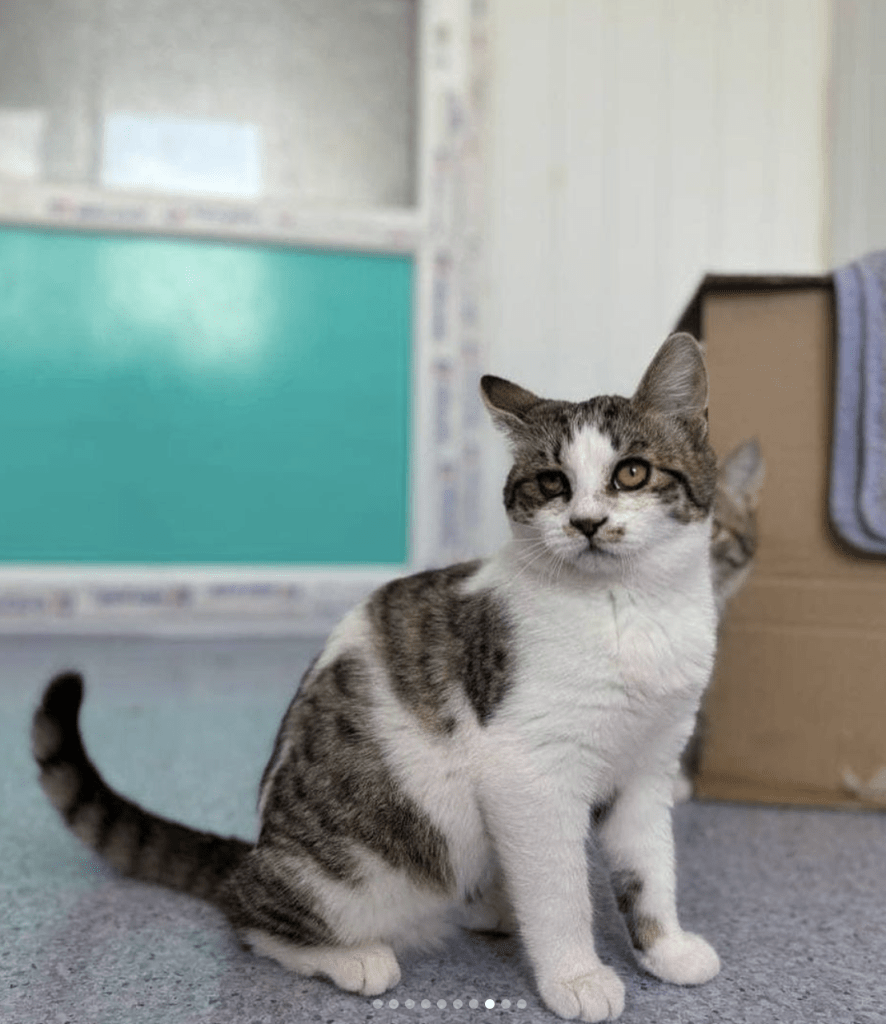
[
  {"x": 741, "y": 472},
  {"x": 676, "y": 381},
  {"x": 507, "y": 403}
]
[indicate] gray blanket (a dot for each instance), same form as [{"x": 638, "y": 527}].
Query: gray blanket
[{"x": 858, "y": 451}]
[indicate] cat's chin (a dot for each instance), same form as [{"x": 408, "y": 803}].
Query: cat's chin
[{"x": 594, "y": 560}]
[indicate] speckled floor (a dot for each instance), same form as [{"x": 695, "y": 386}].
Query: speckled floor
[{"x": 794, "y": 900}]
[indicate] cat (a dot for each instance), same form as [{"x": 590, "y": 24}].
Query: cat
[
  {"x": 464, "y": 728},
  {"x": 734, "y": 535},
  {"x": 733, "y": 546}
]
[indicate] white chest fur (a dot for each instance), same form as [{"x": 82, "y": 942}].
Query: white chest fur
[{"x": 608, "y": 671}]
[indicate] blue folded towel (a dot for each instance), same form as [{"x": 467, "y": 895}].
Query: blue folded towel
[{"x": 858, "y": 452}]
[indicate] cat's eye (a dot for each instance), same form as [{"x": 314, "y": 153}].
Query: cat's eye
[
  {"x": 553, "y": 484},
  {"x": 631, "y": 474}
]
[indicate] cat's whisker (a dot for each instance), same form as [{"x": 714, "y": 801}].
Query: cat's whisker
[
  {"x": 525, "y": 568},
  {"x": 537, "y": 550}
]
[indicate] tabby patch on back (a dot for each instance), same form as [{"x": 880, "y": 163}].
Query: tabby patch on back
[{"x": 445, "y": 755}]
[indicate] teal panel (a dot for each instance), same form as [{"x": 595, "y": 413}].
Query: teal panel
[{"x": 169, "y": 401}]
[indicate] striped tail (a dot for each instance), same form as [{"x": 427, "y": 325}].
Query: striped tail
[{"x": 137, "y": 843}]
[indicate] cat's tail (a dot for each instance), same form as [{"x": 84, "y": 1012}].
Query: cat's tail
[{"x": 137, "y": 843}]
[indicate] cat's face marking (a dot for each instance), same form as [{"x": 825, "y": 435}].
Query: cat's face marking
[
  {"x": 601, "y": 495},
  {"x": 599, "y": 510},
  {"x": 580, "y": 521}
]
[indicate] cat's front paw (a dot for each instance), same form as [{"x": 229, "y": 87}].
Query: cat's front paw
[
  {"x": 682, "y": 959},
  {"x": 598, "y": 994}
]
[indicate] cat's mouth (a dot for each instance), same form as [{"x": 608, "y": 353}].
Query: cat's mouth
[
  {"x": 582, "y": 551},
  {"x": 594, "y": 547},
  {"x": 592, "y": 551}
]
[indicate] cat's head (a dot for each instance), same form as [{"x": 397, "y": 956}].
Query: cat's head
[
  {"x": 598, "y": 482},
  {"x": 734, "y": 528}
]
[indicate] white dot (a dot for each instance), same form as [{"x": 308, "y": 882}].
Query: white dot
[
  {"x": 441, "y": 1004},
  {"x": 393, "y": 1004},
  {"x": 506, "y": 1004},
  {"x": 409, "y": 1004},
  {"x": 490, "y": 1004},
  {"x": 521, "y": 1004},
  {"x": 377, "y": 1003},
  {"x": 426, "y": 1004},
  {"x": 473, "y": 1004},
  {"x": 457, "y": 1003}
]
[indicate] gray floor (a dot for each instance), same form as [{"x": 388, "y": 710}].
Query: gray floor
[{"x": 795, "y": 901}]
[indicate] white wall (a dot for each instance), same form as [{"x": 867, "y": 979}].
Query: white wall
[
  {"x": 858, "y": 130},
  {"x": 633, "y": 146}
]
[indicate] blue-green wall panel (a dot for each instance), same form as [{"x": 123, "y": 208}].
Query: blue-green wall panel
[{"x": 169, "y": 401}]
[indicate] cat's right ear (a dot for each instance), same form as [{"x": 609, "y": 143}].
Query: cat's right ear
[{"x": 508, "y": 403}]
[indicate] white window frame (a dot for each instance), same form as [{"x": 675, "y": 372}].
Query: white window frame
[{"x": 442, "y": 233}]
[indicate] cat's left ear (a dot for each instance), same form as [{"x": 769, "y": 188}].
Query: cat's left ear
[
  {"x": 507, "y": 403},
  {"x": 676, "y": 381}
]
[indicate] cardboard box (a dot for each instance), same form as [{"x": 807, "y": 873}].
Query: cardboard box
[{"x": 797, "y": 709}]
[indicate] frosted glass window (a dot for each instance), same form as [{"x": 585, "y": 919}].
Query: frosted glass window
[{"x": 326, "y": 88}]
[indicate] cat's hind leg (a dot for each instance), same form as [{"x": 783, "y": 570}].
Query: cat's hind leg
[
  {"x": 278, "y": 910},
  {"x": 367, "y": 970}
]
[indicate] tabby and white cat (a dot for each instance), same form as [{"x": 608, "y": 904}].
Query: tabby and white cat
[
  {"x": 446, "y": 753},
  {"x": 734, "y": 538}
]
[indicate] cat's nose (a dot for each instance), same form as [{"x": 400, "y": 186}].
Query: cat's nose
[{"x": 588, "y": 526}]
